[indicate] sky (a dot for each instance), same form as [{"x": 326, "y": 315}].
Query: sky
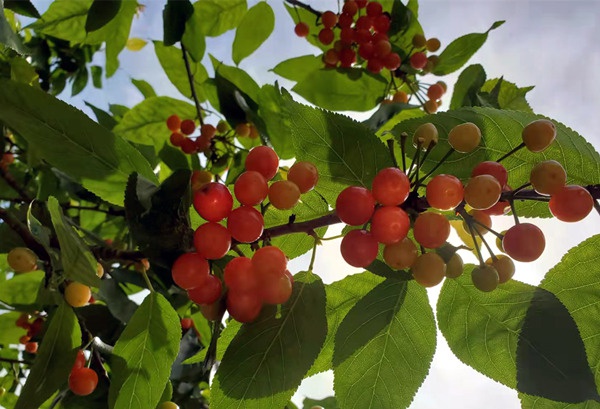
[{"x": 552, "y": 45}]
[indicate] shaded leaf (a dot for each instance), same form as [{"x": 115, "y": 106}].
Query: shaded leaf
[
  {"x": 8, "y": 37},
  {"x": 469, "y": 82},
  {"x": 143, "y": 355},
  {"x": 327, "y": 403},
  {"x": 509, "y": 95},
  {"x": 342, "y": 89},
  {"x": 268, "y": 358},
  {"x": 101, "y": 13},
  {"x": 394, "y": 361},
  {"x": 144, "y": 87},
  {"x": 95, "y": 158},
  {"x": 96, "y": 75},
  {"x": 80, "y": 81},
  {"x": 104, "y": 118},
  {"x": 254, "y": 29},
  {"x": 21, "y": 290},
  {"x": 23, "y": 7},
  {"x": 9, "y": 332},
  {"x": 175, "y": 15},
  {"x": 54, "y": 358},
  {"x": 459, "y": 51},
  {"x": 118, "y": 303}
]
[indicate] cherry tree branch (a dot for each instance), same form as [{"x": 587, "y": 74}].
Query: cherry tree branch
[
  {"x": 304, "y": 6},
  {"x": 11, "y": 181},
  {"x": 190, "y": 76},
  {"x": 23, "y": 232}
]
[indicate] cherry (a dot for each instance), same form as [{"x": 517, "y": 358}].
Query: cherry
[
  {"x": 431, "y": 106},
  {"x": 433, "y": 44},
  {"x": 485, "y": 278},
  {"x": 168, "y": 405},
  {"x": 304, "y": 174},
  {"x": 243, "y": 307},
  {"x": 251, "y": 188},
  {"x": 392, "y": 61},
  {"x": 359, "y": 248},
  {"x": 31, "y": 347},
  {"x": 425, "y": 135},
  {"x": 200, "y": 178},
  {"x": 524, "y": 242},
  {"x": 431, "y": 230},
  {"x": 504, "y": 266},
  {"x": 355, "y": 205},
  {"x": 331, "y": 57},
  {"x": 79, "y": 359},
  {"x": 400, "y": 255},
  {"x": 77, "y": 294},
  {"x": 418, "y": 60},
  {"x": 419, "y": 41},
  {"x": 400, "y": 97},
  {"x": 350, "y": 7},
  {"x": 213, "y": 201},
  {"x": 22, "y": 260},
  {"x": 390, "y": 187},
  {"x": 263, "y": 160},
  {"x": 492, "y": 168},
  {"x": 345, "y": 20},
  {"x": 548, "y": 177},
  {"x": 454, "y": 266},
  {"x": 276, "y": 290},
  {"x": 389, "y": 224},
  {"x": 374, "y": 9},
  {"x": 189, "y": 269},
  {"x": 188, "y": 146},
  {"x": 329, "y": 19},
  {"x": 186, "y": 323},
  {"x": 435, "y": 91},
  {"x": 239, "y": 275},
  {"x": 83, "y": 381},
  {"x": 245, "y": 224},
  {"x": 374, "y": 65},
  {"x": 499, "y": 208},
  {"x": 242, "y": 130},
  {"x": 301, "y": 29},
  {"x": 212, "y": 241},
  {"x": 177, "y": 139},
  {"x": 326, "y": 36},
  {"x": 571, "y": 203},
  {"x": 208, "y": 290},
  {"x": 429, "y": 269},
  {"x": 539, "y": 134},
  {"x": 188, "y": 126},
  {"x": 483, "y": 218},
  {"x": 444, "y": 192},
  {"x": 173, "y": 123},
  {"x": 382, "y": 23},
  {"x": 269, "y": 261},
  {"x": 284, "y": 194},
  {"x": 482, "y": 192}
]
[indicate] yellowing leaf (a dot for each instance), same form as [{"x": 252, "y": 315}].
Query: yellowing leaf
[{"x": 135, "y": 44}]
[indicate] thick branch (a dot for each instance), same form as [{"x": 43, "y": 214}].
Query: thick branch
[
  {"x": 531, "y": 194},
  {"x": 190, "y": 76},
  {"x": 25, "y": 234},
  {"x": 109, "y": 253},
  {"x": 304, "y": 6},
  {"x": 303, "y": 227},
  {"x": 10, "y": 181}
]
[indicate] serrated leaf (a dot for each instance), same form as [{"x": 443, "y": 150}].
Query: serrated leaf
[
  {"x": 277, "y": 120},
  {"x": 171, "y": 60},
  {"x": 387, "y": 370},
  {"x": 8, "y": 37},
  {"x": 482, "y": 329},
  {"x": 573, "y": 280},
  {"x": 297, "y": 68},
  {"x": 254, "y": 29},
  {"x": 135, "y": 44},
  {"x": 389, "y": 115},
  {"x": 238, "y": 77},
  {"x": 70, "y": 141},
  {"x": 551, "y": 358},
  {"x": 145, "y": 123},
  {"x": 268, "y": 359},
  {"x": 23, "y": 7},
  {"x": 344, "y": 151},
  {"x": 175, "y": 15},
  {"x": 342, "y": 89},
  {"x": 469, "y": 82},
  {"x": 459, "y": 51},
  {"x": 103, "y": 118},
  {"x": 144, "y": 87},
  {"x": 501, "y": 130},
  {"x": 535, "y": 402},
  {"x": 22, "y": 289},
  {"x": 214, "y": 17},
  {"x": 118, "y": 303},
  {"x": 78, "y": 261},
  {"x": 509, "y": 95},
  {"x": 143, "y": 355},
  {"x": 101, "y": 12},
  {"x": 53, "y": 360}
]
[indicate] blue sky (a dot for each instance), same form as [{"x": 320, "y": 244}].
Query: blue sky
[{"x": 550, "y": 44}]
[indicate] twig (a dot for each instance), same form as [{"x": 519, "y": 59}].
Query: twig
[
  {"x": 190, "y": 76},
  {"x": 15, "y": 361},
  {"x": 12, "y": 182},
  {"x": 304, "y": 6},
  {"x": 25, "y": 234},
  {"x": 302, "y": 227}
]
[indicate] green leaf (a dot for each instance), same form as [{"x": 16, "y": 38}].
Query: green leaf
[
  {"x": 572, "y": 281},
  {"x": 393, "y": 361},
  {"x": 144, "y": 87},
  {"x": 510, "y": 96},
  {"x": 95, "y": 158},
  {"x": 482, "y": 329},
  {"x": 297, "y": 68},
  {"x": 254, "y": 29},
  {"x": 389, "y": 115},
  {"x": 535, "y": 402},
  {"x": 101, "y": 13},
  {"x": 64, "y": 19},
  {"x": 8, "y": 37},
  {"x": 143, "y": 355},
  {"x": 327, "y": 403},
  {"x": 22, "y": 289},
  {"x": 23, "y": 7},
  {"x": 501, "y": 132},
  {"x": 238, "y": 77},
  {"x": 345, "y": 151},
  {"x": 175, "y": 15},
  {"x": 551, "y": 358},
  {"x": 193, "y": 40},
  {"x": 118, "y": 303},
  {"x": 78, "y": 261},
  {"x": 80, "y": 81},
  {"x": 145, "y": 123},
  {"x": 54, "y": 359},
  {"x": 341, "y": 297},
  {"x": 214, "y": 17},
  {"x": 174, "y": 158},
  {"x": 459, "y": 51},
  {"x": 9, "y": 332},
  {"x": 171, "y": 60},
  {"x": 104, "y": 118},
  {"x": 469, "y": 82},
  {"x": 96, "y": 76},
  {"x": 268, "y": 359},
  {"x": 22, "y": 71},
  {"x": 342, "y": 89},
  {"x": 273, "y": 112}
]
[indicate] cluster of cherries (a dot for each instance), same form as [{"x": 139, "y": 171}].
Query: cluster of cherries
[
  {"x": 33, "y": 328},
  {"x": 82, "y": 380},
  {"x": 251, "y": 282},
  {"x": 363, "y": 36},
  {"x": 486, "y": 193}
]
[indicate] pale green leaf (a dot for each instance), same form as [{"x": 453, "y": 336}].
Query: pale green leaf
[
  {"x": 297, "y": 68},
  {"x": 22, "y": 289},
  {"x": 254, "y": 29},
  {"x": 215, "y": 17},
  {"x": 171, "y": 60}
]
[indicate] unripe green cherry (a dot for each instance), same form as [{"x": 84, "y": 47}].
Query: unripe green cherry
[
  {"x": 425, "y": 134},
  {"x": 504, "y": 266},
  {"x": 454, "y": 266},
  {"x": 485, "y": 278},
  {"x": 22, "y": 260},
  {"x": 464, "y": 137},
  {"x": 539, "y": 134}
]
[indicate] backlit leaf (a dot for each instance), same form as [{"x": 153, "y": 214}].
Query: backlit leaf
[{"x": 256, "y": 26}]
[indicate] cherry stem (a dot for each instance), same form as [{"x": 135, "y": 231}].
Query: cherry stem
[
  {"x": 190, "y": 76},
  {"x": 304, "y": 6},
  {"x": 390, "y": 145},
  {"x": 487, "y": 246},
  {"x": 313, "y": 256},
  {"x": 517, "y": 148},
  {"x": 415, "y": 159},
  {"x": 520, "y": 188},
  {"x": 420, "y": 163},
  {"x": 477, "y": 249},
  {"x": 403, "y": 138},
  {"x": 513, "y": 210},
  {"x": 597, "y": 206},
  {"x": 437, "y": 165}
]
